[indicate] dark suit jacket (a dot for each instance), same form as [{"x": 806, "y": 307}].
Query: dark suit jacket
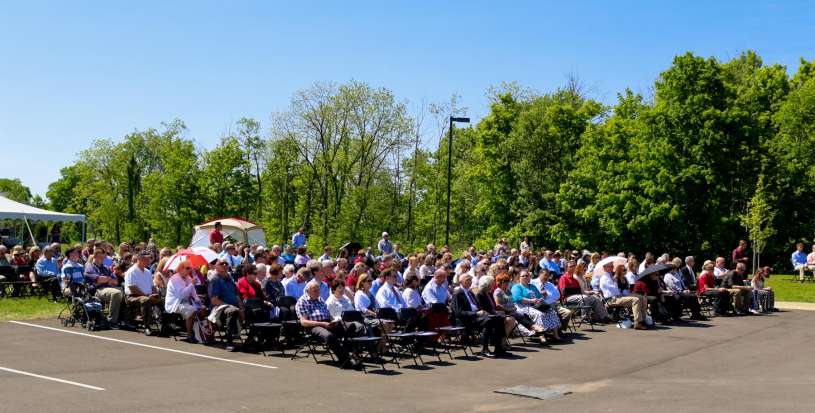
[
  {"x": 462, "y": 311},
  {"x": 485, "y": 301},
  {"x": 688, "y": 279}
]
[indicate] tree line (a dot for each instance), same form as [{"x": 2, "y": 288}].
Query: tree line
[{"x": 722, "y": 150}]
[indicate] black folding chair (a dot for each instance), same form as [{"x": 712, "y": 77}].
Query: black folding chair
[
  {"x": 261, "y": 330},
  {"x": 360, "y": 346}
]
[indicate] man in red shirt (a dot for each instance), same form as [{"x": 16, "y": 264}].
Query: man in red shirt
[
  {"x": 216, "y": 237},
  {"x": 739, "y": 255},
  {"x": 707, "y": 287}
]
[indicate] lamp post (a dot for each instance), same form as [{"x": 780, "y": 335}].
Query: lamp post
[{"x": 450, "y": 172}]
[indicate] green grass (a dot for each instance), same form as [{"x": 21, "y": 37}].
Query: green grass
[
  {"x": 787, "y": 288},
  {"x": 28, "y": 308}
]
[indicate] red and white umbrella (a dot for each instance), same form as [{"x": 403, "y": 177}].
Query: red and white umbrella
[{"x": 197, "y": 256}]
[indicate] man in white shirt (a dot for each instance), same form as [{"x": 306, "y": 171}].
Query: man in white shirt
[
  {"x": 647, "y": 262},
  {"x": 388, "y": 296},
  {"x": 637, "y": 303},
  {"x": 139, "y": 289},
  {"x": 436, "y": 290},
  {"x": 719, "y": 270}
]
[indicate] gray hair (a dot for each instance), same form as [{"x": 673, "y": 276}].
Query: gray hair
[
  {"x": 311, "y": 285},
  {"x": 689, "y": 258},
  {"x": 288, "y": 269},
  {"x": 485, "y": 281}
]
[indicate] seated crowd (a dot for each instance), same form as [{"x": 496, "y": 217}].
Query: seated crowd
[{"x": 493, "y": 294}]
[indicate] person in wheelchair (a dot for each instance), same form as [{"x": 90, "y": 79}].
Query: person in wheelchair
[
  {"x": 104, "y": 285},
  {"x": 72, "y": 271},
  {"x": 181, "y": 297},
  {"x": 139, "y": 290}
]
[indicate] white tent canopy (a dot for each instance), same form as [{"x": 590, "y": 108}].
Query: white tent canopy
[
  {"x": 235, "y": 228},
  {"x": 14, "y": 210}
]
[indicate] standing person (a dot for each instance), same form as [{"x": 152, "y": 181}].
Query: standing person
[
  {"x": 384, "y": 245},
  {"x": 739, "y": 255},
  {"x": 298, "y": 239},
  {"x": 799, "y": 261},
  {"x": 526, "y": 244},
  {"x": 139, "y": 289},
  {"x": 216, "y": 236}
]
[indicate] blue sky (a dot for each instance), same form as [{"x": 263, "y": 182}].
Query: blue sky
[{"x": 72, "y": 72}]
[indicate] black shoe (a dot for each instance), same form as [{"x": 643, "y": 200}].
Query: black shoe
[
  {"x": 190, "y": 339},
  {"x": 231, "y": 348},
  {"x": 113, "y": 326},
  {"x": 699, "y": 318}
]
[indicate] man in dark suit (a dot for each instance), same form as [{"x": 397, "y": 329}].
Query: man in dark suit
[
  {"x": 469, "y": 315},
  {"x": 688, "y": 274}
]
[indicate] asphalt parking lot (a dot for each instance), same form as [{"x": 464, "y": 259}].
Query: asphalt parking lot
[{"x": 745, "y": 364}]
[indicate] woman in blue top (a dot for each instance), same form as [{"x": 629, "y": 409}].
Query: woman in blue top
[{"x": 530, "y": 302}]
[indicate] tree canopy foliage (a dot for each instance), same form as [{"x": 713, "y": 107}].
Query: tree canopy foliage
[{"x": 677, "y": 171}]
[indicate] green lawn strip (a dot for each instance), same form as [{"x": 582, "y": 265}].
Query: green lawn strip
[
  {"x": 787, "y": 288},
  {"x": 28, "y": 308}
]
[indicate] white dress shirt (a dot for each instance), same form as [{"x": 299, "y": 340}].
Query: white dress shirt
[
  {"x": 412, "y": 298},
  {"x": 337, "y": 305},
  {"x": 608, "y": 285},
  {"x": 362, "y": 302},
  {"x": 389, "y": 297}
]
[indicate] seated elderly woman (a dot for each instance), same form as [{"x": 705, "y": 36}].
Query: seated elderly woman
[
  {"x": 503, "y": 301},
  {"x": 487, "y": 302},
  {"x": 530, "y": 302},
  {"x": 181, "y": 297}
]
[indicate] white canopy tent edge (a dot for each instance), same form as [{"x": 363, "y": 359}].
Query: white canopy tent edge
[{"x": 15, "y": 210}]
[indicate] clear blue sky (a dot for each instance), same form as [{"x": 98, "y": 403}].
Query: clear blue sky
[{"x": 72, "y": 72}]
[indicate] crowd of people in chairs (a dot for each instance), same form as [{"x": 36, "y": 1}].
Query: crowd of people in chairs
[{"x": 376, "y": 301}]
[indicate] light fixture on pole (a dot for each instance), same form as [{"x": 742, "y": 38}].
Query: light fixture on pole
[{"x": 450, "y": 172}]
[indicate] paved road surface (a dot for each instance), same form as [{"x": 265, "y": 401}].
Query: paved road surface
[{"x": 747, "y": 364}]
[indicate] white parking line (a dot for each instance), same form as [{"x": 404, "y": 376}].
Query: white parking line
[
  {"x": 245, "y": 363},
  {"x": 39, "y": 376}
]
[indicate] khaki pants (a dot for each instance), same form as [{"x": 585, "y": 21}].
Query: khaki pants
[
  {"x": 113, "y": 297},
  {"x": 594, "y": 301},
  {"x": 637, "y": 304},
  {"x": 145, "y": 306},
  {"x": 742, "y": 298}
]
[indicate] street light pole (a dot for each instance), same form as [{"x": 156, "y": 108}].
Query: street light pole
[{"x": 450, "y": 172}]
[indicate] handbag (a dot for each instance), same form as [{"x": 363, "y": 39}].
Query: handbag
[{"x": 203, "y": 331}]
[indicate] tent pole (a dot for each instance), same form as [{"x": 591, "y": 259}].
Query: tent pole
[
  {"x": 34, "y": 240},
  {"x": 84, "y": 235}
]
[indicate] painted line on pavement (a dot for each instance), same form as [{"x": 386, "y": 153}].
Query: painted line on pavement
[
  {"x": 40, "y": 376},
  {"x": 133, "y": 343}
]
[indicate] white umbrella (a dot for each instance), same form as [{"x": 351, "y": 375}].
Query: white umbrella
[{"x": 598, "y": 269}]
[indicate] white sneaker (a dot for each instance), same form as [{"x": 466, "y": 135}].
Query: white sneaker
[{"x": 754, "y": 312}]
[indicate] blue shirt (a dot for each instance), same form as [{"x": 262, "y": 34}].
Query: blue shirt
[
  {"x": 72, "y": 272},
  {"x": 519, "y": 292},
  {"x": 294, "y": 288},
  {"x": 798, "y": 258},
  {"x": 46, "y": 268},
  {"x": 550, "y": 265},
  {"x": 375, "y": 285},
  {"x": 225, "y": 289},
  {"x": 434, "y": 293},
  {"x": 298, "y": 240}
]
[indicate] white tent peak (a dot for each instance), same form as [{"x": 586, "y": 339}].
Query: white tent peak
[{"x": 234, "y": 227}]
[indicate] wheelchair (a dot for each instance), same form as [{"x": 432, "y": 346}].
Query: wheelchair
[{"x": 83, "y": 308}]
